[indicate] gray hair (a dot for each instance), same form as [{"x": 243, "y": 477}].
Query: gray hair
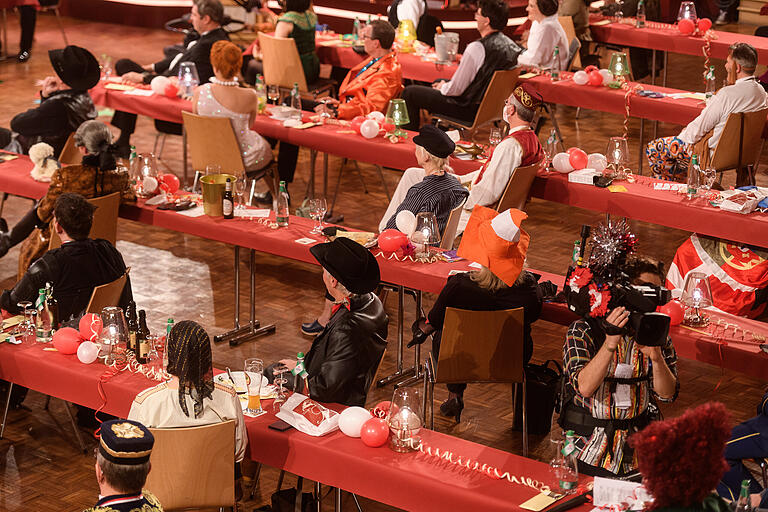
[
  {"x": 212, "y": 8},
  {"x": 523, "y": 112},
  {"x": 94, "y": 136},
  {"x": 126, "y": 478},
  {"x": 744, "y": 55}
]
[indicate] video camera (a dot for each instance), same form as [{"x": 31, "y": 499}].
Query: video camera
[{"x": 592, "y": 293}]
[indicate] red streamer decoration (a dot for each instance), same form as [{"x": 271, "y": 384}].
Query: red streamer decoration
[{"x": 630, "y": 90}]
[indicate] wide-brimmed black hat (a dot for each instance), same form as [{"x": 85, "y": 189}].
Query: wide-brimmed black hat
[
  {"x": 435, "y": 140},
  {"x": 350, "y": 263},
  {"x": 77, "y": 67}
]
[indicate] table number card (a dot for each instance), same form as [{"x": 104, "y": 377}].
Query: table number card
[{"x": 305, "y": 241}]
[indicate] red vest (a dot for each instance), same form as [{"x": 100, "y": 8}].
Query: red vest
[{"x": 532, "y": 150}]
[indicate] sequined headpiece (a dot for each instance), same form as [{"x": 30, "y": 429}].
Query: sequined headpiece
[{"x": 527, "y": 97}]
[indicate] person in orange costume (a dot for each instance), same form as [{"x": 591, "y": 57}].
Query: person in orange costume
[{"x": 367, "y": 87}]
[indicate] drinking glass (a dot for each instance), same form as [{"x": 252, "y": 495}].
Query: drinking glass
[
  {"x": 687, "y": 10},
  {"x": 273, "y": 93},
  {"x": 254, "y": 370},
  {"x": 155, "y": 355},
  {"x": 317, "y": 208},
  {"x": 144, "y": 171},
  {"x": 495, "y": 136},
  {"x": 426, "y": 233},
  {"x": 280, "y": 380},
  {"x": 241, "y": 184},
  {"x": 106, "y": 66},
  {"x": 212, "y": 169},
  {"x": 188, "y": 78},
  {"x": 550, "y": 149},
  {"x": 697, "y": 294},
  {"x": 26, "y": 328},
  {"x": 708, "y": 177}
]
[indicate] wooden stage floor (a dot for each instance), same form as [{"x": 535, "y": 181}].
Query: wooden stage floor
[{"x": 40, "y": 468}]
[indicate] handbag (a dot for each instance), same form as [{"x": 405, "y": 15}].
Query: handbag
[{"x": 543, "y": 386}]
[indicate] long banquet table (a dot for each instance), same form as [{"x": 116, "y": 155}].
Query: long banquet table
[{"x": 729, "y": 352}]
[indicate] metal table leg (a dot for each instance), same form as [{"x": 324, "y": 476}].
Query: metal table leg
[
  {"x": 7, "y": 398},
  {"x": 4, "y": 52},
  {"x": 337, "y": 500},
  {"x": 185, "y": 166},
  {"x": 400, "y": 374},
  {"x": 641, "y": 153}
]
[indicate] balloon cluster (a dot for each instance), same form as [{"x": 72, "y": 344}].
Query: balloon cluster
[
  {"x": 70, "y": 341},
  {"x": 371, "y": 125},
  {"x": 391, "y": 240},
  {"x": 575, "y": 159},
  {"x": 688, "y": 27},
  {"x": 593, "y": 76},
  {"x": 164, "y": 86},
  {"x": 372, "y": 429}
]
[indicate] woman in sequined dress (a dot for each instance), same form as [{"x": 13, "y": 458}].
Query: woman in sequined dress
[{"x": 224, "y": 98}]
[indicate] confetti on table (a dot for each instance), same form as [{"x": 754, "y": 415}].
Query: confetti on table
[{"x": 617, "y": 188}]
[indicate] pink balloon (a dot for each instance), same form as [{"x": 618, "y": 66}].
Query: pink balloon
[
  {"x": 685, "y": 26},
  {"x": 66, "y": 340},
  {"x": 90, "y": 326},
  {"x": 580, "y": 78},
  {"x": 391, "y": 240},
  {"x": 374, "y": 432},
  {"x": 578, "y": 159},
  {"x": 674, "y": 310},
  {"x": 595, "y": 78},
  {"x": 704, "y": 24},
  {"x": 357, "y": 122},
  {"x": 369, "y": 128}
]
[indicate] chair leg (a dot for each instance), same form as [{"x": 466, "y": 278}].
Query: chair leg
[
  {"x": 61, "y": 26},
  {"x": 299, "y": 485},
  {"x": 338, "y": 183},
  {"x": 78, "y": 437},
  {"x": 2, "y": 202},
  {"x": 280, "y": 479},
  {"x": 255, "y": 480},
  {"x": 5, "y": 412},
  {"x": 357, "y": 503},
  {"x": 525, "y": 418}
]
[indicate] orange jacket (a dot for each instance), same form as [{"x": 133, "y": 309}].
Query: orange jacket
[{"x": 372, "y": 90}]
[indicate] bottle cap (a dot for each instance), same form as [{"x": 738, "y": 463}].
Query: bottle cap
[{"x": 300, "y": 355}]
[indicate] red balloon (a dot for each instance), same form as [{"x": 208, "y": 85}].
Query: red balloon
[
  {"x": 374, "y": 432},
  {"x": 571, "y": 150},
  {"x": 704, "y": 24},
  {"x": 66, "y": 340},
  {"x": 595, "y": 78},
  {"x": 391, "y": 240},
  {"x": 590, "y": 69},
  {"x": 686, "y": 26},
  {"x": 578, "y": 159},
  {"x": 356, "y": 122},
  {"x": 388, "y": 127},
  {"x": 90, "y": 326},
  {"x": 171, "y": 90},
  {"x": 381, "y": 409},
  {"x": 674, "y": 310},
  {"x": 169, "y": 183}
]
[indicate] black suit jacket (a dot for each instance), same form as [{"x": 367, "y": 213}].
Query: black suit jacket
[{"x": 199, "y": 53}]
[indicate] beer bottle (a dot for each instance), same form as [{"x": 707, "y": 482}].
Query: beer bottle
[
  {"x": 133, "y": 326},
  {"x": 53, "y": 307},
  {"x": 227, "y": 203},
  {"x": 142, "y": 338}
]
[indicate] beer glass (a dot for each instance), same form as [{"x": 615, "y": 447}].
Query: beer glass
[{"x": 254, "y": 370}]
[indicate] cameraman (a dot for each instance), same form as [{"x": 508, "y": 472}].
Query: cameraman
[{"x": 613, "y": 382}]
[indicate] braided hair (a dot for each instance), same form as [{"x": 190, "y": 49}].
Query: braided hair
[{"x": 189, "y": 359}]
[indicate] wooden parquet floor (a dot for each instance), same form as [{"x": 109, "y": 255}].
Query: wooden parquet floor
[{"x": 186, "y": 277}]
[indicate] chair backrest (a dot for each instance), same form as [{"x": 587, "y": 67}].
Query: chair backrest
[
  {"x": 449, "y": 233},
  {"x": 739, "y": 143},
  {"x": 570, "y": 33},
  {"x": 106, "y": 295},
  {"x": 519, "y": 185},
  {"x": 193, "y": 467},
  {"x": 573, "y": 53},
  {"x": 282, "y": 65},
  {"x": 104, "y": 220},
  {"x": 212, "y": 140},
  {"x": 69, "y": 154},
  {"x": 491, "y": 106},
  {"x": 481, "y": 346}
]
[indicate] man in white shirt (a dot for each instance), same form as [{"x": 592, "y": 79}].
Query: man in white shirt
[
  {"x": 407, "y": 10},
  {"x": 744, "y": 94},
  {"x": 460, "y": 96},
  {"x": 546, "y": 33}
]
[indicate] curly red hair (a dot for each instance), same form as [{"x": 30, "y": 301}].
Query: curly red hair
[
  {"x": 227, "y": 58},
  {"x": 681, "y": 459}
]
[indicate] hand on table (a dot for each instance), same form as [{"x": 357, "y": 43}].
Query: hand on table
[
  {"x": 50, "y": 85},
  {"x": 133, "y": 77}
]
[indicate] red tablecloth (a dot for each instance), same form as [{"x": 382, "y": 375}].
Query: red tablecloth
[
  {"x": 567, "y": 92},
  {"x": 15, "y": 179},
  {"x": 642, "y": 202},
  {"x": 670, "y": 40}
]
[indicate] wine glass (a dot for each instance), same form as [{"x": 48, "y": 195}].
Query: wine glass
[
  {"x": 26, "y": 328},
  {"x": 280, "y": 380},
  {"x": 106, "y": 66},
  {"x": 188, "y": 78},
  {"x": 708, "y": 176},
  {"x": 254, "y": 370},
  {"x": 317, "y": 208},
  {"x": 240, "y": 185},
  {"x": 273, "y": 93},
  {"x": 114, "y": 335},
  {"x": 495, "y": 136}
]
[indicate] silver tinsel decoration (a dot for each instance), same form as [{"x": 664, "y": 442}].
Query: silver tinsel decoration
[{"x": 610, "y": 244}]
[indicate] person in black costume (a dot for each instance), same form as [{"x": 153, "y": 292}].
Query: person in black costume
[{"x": 64, "y": 103}]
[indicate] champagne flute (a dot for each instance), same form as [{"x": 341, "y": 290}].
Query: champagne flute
[
  {"x": 240, "y": 186},
  {"x": 317, "y": 208},
  {"x": 273, "y": 93},
  {"x": 253, "y": 369}
]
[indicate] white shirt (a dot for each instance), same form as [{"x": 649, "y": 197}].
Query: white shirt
[
  {"x": 746, "y": 95},
  {"x": 505, "y": 159},
  {"x": 471, "y": 60},
  {"x": 411, "y": 10},
  {"x": 158, "y": 407},
  {"x": 542, "y": 39}
]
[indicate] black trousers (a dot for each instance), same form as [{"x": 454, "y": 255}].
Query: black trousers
[
  {"x": 288, "y": 154},
  {"x": 27, "y": 20},
  {"x": 420, "y": 96}
]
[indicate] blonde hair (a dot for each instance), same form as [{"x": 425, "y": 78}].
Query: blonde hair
[
  {"x": 487, "y": 280},
  {"x": 440, "y": 163}
]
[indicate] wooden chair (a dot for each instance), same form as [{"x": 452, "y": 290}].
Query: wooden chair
[
  {"x": 53, "y": 5},
  {"x": 193, "y": 467},
  {"x": 574, "y": 59},
  {"x": 212, "y": 140},
  {"x": 282, "y": 66},
  {"x": 449, "y": 233},
  {"x": 739, "y": 146},
  {"x": 519, "y": 185},
  {"x": 491, "y": 106},
  {"x": 106, "y": 295},
  {"x": 104, "y": 220},
  {"x": 70, "y": 155},
  {"x": 480, "y": 346}
]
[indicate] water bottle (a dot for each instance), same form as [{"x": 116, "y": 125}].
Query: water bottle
[
  {"x": 555, "y": 73},
  {"x": 300, "y": 374},
  {"x": 640, "y": 18},
  {"x": 356, "y": 30},
  {"x": 694, "y": 177},
  {"x": 711, "y": 86},
  {"x": 564, "y": 466},
  {"x": 282, "y": 214},
  {"x": 295, "y": 102},
  {"x": 743, "y": 504}
]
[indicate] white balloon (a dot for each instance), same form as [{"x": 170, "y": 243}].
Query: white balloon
[
  {"x": 406, "y": 222},
  {"x": 376, "y": 116},
  {"x": 87, "y": 352},
  {"x": 561, "y": 163},
  {"x": 597, "y": 161},
  {"x": 351, "y": 420},
  {"x": 580, "y": 77},
  {"x": 150, "y": 184},
  {"x": 159, "y": 83},
  {"x": 369, "y": 128},
  {"x": 607, "y": 76}
]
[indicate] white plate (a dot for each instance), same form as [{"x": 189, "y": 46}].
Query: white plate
[{"x": 240, "y": 382}]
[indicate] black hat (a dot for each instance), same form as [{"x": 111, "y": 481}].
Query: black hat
[
  {"x": 76, "y": 67},
  {"x": 435, "y": 141},
  {"x": 350, "y": 263},
  {"x": 125, "y": 442}
]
